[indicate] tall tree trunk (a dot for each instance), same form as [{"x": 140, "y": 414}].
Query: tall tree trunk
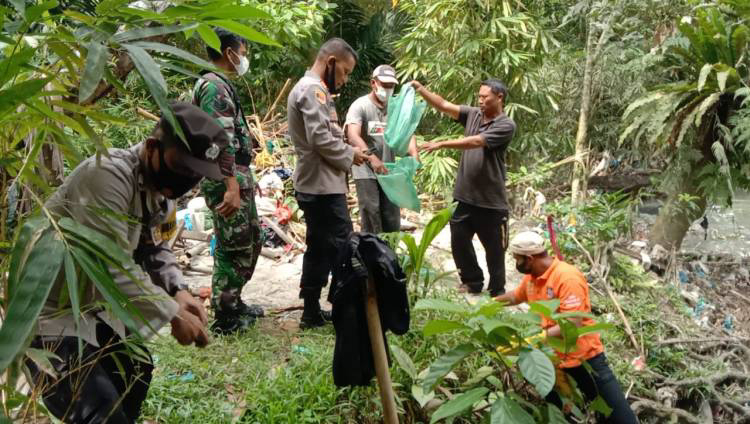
[
  {"x": 676, "y": 215},
  {"x": 593, "y": 51},
  {"x": 578, "y": 185}
]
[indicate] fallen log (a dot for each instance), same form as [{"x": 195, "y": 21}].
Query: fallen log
[{"x": 624, "y": 182}]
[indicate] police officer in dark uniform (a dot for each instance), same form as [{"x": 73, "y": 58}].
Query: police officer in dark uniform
[
  {"x": 323, "y": 160},
  {"x": 127, "y": 196}
]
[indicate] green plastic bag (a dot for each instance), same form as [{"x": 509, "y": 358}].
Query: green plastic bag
[
  {"x": 404, "y": 113},
  {"x": 398, "y": 184}
]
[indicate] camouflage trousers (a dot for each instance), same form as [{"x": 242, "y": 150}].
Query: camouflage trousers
[{"x": 238, "y": 244}]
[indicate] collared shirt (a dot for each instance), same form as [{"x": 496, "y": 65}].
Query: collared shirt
[
  {"x": 107, "y": 195},
  {"x": 565, "y": 282},
  {"x": 372, "y": 118},
  {"x": 480, "y": 180},
  {"x": 215, "y": 95},
  {"x": 323, "y": 158}
]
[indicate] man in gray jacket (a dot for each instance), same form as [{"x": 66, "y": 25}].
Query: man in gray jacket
[
  {"x": 323, "y": 160},
  {"x": 126, "y": 196}
]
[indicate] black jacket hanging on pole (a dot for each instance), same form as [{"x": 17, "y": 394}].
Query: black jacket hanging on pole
[{"x": 353, "y": 363}]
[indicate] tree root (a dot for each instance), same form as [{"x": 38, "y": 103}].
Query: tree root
[
  {"x": 709, "y": 380},
  {"x": 663, "y": 411}
]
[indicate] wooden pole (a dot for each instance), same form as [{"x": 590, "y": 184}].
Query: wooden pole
[{"x": 378, "y": 353}]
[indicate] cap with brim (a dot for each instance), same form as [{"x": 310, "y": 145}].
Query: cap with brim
[
  {"x": 385, "y": 73},
  {"x": 527, "y": 243},
  {"x": 205, "y": 140}
]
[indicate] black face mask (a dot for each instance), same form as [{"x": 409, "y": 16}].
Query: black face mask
[
  {"x": 178, "y": 184},
  {"x": 330, "y": 78},
  {"x": 523, "y": 267}
]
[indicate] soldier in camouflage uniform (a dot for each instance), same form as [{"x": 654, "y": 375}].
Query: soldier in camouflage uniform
[{"x": 232, "y": 202}]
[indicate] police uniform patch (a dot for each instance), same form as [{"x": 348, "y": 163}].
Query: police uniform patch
[{"x": 320, "y": 95}]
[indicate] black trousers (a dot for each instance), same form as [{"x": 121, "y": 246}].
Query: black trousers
[
  {"x": 328, "y": 226},
  {"x": 106, "y": 384},
  {"x": 491, "y": 225},
  {"x": 600, "y": 382},
  {"x": 377, "y": 213}
]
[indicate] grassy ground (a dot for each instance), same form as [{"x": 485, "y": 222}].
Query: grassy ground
[
  {"x": 271, "y": 375},
  {"x": 265, "y": 375}
]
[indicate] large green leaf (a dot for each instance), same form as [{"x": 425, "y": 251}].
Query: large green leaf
[
  {"x": 165, "y": 48},
  {"x": 545, "y": 307},
  {"x": 440, "y": 305},
  {"x": 140, "y": 33},
  {"x": 459, "y": 404},
  {"x": 444, "y": 364},
  {"x": 705, "y": 70},
  {"x": 235, "y": 12},
  {"x": 537, "y": 369},
  {"x": 439, "y": 326},
  {"x": 18, "y": 93},
  {"x": 245, "y": 31},
  {"x": 96, "y": 60},
  {"x": 554, "y": 415},
  {"x": 38, "y": 275},
  {"x": 404, "y": 361},
  {"x": 506, "y": 410}
]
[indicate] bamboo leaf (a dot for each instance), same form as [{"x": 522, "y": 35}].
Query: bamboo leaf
[
  {"x": 209, "y": 36},
  {"x": 140, "y": 33},
  {"x": 245, "y": 31},
  {"x": 235, "y": 12},
  {"x": 537, "y": 369},
  {"x": 165, "y": 48},
  {"x": 38, "y": 275},
  {"x": 444, "y": 364},
  {"x": 30, "y": 232},
  {"x": 18, "y": 93},
  {"x": 96, "y": 60},
  {"x": 154, "y": 80},
  {"x": 459, "y": 404}
]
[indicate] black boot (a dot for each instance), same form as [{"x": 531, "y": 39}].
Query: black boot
[
  {"x": 255, "y": 311},
  {"x": 231, "y": 324},
  {"x": 312, "y": 315}
]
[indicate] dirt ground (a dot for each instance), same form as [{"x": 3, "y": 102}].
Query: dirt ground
[{"x": 275, "y": 284}]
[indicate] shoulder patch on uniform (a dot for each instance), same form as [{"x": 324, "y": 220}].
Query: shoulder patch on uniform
[{"x": 320, "y": 95}]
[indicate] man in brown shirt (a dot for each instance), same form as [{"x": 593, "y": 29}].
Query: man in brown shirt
[{"x": 480, "y": 182}]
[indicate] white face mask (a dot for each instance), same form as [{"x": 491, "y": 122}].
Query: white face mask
[
  {"x": 242, "y": 68},
  {"x": 383, "y": 94}
]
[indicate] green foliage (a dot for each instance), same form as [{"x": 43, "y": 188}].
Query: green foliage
[
  {"x": 438, "y": 172},
  {"x": 419, "y": 276},
  {"x": 708, "y": 59},
  {"x": 600, "y": 220},
  {"x": 454, "y": 45},
  {"x": 500, "y": 339}
]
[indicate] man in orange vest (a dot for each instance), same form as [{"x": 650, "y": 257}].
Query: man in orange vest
[{"x": 546, "y": 278}]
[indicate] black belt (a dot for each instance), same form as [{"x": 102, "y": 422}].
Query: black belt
[{"x": 243, "y": 159}]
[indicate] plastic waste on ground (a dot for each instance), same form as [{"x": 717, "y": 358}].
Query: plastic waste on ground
[
  {"x": 404, "y": 113},
  {"x": 398, "y": 184}
]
